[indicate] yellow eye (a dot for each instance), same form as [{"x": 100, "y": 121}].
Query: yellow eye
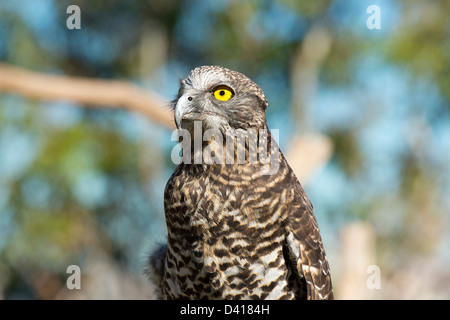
[{"x": 223, "y": 93}]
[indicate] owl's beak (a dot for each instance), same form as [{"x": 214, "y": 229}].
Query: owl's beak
[{"x": 183, "y": 109}]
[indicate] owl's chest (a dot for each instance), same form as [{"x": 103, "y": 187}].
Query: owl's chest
[
  {"x": 197, "y": 204},
  {"x": 220, "y": 244}
]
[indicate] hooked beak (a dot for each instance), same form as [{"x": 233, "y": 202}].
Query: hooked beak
[{"x": 183, "y": 108}]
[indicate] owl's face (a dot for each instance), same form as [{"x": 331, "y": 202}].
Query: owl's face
[{"x": 221, "y": 99}]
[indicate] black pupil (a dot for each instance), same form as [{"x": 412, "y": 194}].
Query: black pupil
[{"x": 222, "y": 93}]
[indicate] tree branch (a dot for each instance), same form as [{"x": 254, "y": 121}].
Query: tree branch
[{"x": 89, "y": 92}]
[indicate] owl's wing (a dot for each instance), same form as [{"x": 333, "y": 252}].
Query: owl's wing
[{"x": 305, "y": 250}]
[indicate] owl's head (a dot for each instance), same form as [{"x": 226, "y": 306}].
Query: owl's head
[{"x": 221, "y": 99}]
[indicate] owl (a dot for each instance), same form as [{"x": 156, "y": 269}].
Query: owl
[{"x": 235, "y": 229}]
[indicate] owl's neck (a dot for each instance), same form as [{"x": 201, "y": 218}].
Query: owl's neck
[{"x": 233, "y": 149}]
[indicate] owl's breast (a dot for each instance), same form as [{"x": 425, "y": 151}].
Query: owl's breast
[{"x": 223, "y": 241}]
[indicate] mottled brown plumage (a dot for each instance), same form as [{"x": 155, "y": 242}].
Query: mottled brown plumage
[{"x": 234, "y": 231}]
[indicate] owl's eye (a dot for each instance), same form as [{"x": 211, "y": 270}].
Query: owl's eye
[{"x": 223, "y": 93}]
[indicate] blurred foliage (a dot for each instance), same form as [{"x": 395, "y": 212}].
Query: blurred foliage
[{"x": 75, "y": 180}]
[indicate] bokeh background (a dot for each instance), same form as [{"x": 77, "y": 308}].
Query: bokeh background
[{"x": 364, "y": 117}]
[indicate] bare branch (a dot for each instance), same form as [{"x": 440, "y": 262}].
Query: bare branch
[
  {"x": 308, "y": 153},
  {"x": 88, "y": 92}
]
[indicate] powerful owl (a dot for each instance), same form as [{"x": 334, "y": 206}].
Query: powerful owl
[{"x": 238, "y": 227}]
